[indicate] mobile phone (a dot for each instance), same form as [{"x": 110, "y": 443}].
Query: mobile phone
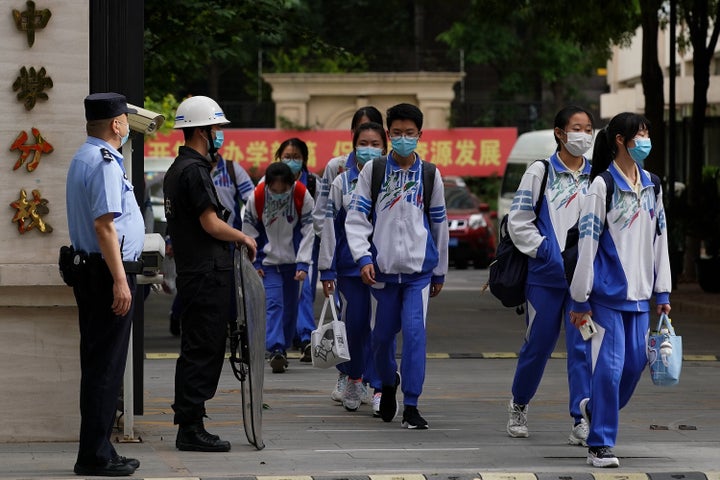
[{"x": 587, "y": 327}]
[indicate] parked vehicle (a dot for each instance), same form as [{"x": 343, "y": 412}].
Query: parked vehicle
[
  {"x": 472, "y": 229},
  {"x": 155, "y": 169}
]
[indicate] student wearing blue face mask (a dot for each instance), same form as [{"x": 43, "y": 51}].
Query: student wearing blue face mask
[
  {"x": 336, "y": 265},
  {"x": 335, "y": 167},
  {"x": 622, "y": 262},
  {"x": 294, "y": 153},
  {"x": 279, "y": 217}
]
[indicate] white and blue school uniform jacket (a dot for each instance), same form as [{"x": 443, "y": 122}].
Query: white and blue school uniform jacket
[
  {"x": 335, "y": 255},
  {"x": 334, "y": 167},
  {"x": 543, "y": 237},
  {"x": 622, "y": 259},
  {"x": 396, "y": 235},
  {"x": 283, "y": 237},
  {"x": 232, "y": 191}
]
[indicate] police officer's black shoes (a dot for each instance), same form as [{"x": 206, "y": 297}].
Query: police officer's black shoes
[
  {"x": 113, "y": 468},
  {"x": 133, "y": 462},
  {"x": 195, "y": 438}
]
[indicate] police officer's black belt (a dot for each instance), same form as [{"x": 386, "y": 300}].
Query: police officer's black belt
[{"x": 134, "y": 268}]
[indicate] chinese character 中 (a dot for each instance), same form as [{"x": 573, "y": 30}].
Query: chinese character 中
[
  {"x": 31, "y": 20},
  {"x": 39, "y": 147}
]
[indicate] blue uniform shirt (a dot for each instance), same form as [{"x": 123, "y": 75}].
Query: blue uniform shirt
[{"x": 97, "y": 185}]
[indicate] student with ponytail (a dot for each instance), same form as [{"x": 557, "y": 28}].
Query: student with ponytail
[{"x": 622, "y": 261}]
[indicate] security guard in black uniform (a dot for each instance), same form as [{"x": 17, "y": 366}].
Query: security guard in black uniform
[
  {"x": 107, "y": 233},
  {"x": 205, "y": 277}
]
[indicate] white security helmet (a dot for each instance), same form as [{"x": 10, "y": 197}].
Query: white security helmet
[{"x": 199, "y": 111}]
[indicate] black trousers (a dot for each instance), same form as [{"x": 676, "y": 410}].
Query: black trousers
[
  {"x": 104, "y": 340},
  {"x": 204, "y": 321}
]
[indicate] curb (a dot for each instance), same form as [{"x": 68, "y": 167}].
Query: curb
[{"x": 605, "y": 475}]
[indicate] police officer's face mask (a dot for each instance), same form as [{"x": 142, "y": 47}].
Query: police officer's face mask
[{"x": 125, "y": 137}]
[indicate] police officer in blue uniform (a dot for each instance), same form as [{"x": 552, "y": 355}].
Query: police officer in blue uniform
[
  {"x": 205, "y": 278},
  {"x": 107, "y": 233}
]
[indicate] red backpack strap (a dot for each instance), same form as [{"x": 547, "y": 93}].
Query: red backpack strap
[
  {"x": 299, "y": 198},
  {"x": 260, "y": 200}
]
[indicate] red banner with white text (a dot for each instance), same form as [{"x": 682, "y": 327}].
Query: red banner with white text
[{"x": 476, "y": 152}]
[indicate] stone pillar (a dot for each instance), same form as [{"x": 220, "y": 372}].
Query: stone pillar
[{"x": 39, "y": 346}]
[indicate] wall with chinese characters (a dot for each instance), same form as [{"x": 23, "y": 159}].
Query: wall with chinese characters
[
  {"x": 41, "y": 125},
  {"x": 44, "y": 76}
]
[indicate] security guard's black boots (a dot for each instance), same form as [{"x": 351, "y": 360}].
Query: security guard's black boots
[{"x": 195, "y": 438}]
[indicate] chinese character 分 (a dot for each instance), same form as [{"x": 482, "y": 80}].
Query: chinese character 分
[
  {"x": 39, "y": 147},
  {"x": 31, "y": 85},
  {"x": 31, "y": 20},
  {"x": 29, "y": 213}
]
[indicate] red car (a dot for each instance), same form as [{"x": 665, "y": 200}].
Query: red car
[{"x": 472, "y": 231}]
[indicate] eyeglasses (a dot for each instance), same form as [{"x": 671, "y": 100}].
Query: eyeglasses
[{"x": 405, "y": 133}]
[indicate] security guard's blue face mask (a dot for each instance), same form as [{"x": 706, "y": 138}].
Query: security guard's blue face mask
[{"x": 219, "y": 139}]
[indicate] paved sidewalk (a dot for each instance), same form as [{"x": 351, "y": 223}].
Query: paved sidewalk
[{"x": 665, "y": 432}]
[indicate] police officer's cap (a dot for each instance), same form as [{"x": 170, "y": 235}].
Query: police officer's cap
[{"x": 99, "y": 106}]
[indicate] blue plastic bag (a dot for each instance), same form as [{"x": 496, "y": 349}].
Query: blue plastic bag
[{"x": 664, "y": 351}]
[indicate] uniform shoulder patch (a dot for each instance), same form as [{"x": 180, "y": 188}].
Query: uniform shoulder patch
[{"x": 107, "y": 156}]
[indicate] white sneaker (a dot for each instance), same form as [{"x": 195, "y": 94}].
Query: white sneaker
[
  {"x": 366, "y": 395},
  {"x": 602, "y": 457},
  {"x": 517, "y": 421},
  {"x": 579, "y": 434},
  {"x": 351, "y": 397},
  {"x": 376, "y": 404},
  {"x": 337, "y": 394}
]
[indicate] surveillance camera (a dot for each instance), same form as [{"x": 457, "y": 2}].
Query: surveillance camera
[{"x": 144, "y": 121}]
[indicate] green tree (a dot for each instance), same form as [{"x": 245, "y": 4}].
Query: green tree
[
  {"x": 539, "y": 47},
  {"x": 702, "y": 28},
  {"x": 198, "y": 41}
]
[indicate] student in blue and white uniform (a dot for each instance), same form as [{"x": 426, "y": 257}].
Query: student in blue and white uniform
[
  {"x": 546, "y": 240},
  {"x": 234, "y": 186},
  {"x": 335, "y": 167},
  {"x": 284, "y": 237},
  {"x": 402, "y": 251},
  {"x": 622, "y": 261},
  {"x": 294, "y": 153},
  {"x": 336, "y": 264}
]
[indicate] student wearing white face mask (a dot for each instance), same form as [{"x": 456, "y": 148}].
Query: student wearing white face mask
[{"x": 549, "y": 238}]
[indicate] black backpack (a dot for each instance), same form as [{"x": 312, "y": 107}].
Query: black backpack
[{"x": 508, "y": 272}]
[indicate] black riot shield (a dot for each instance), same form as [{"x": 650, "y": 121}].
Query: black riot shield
[{"x": 247, "y": 344}]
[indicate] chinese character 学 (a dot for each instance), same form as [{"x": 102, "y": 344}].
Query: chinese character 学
[{"x": 30, "y": 86}]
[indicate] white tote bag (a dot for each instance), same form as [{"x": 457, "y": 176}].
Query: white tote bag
[{"x": 329, "y": 340}]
